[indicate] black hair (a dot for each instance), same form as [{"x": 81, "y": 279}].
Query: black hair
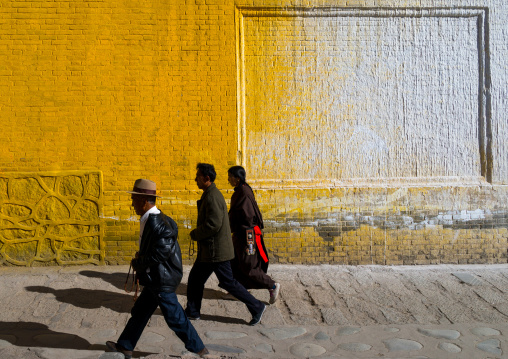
[
  {"x": 207, "y": 169},
  {"x": 238, "y": 172}
]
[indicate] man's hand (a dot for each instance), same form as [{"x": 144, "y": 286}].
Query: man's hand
[{"x": 134, "y": 263}]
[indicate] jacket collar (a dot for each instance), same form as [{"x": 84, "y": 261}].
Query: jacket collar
[{"x": 205, "y": 192}]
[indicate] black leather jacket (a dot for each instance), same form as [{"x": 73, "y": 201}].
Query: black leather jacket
[{"x": 160, "y": 253}]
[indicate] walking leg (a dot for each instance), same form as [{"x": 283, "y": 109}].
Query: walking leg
[
  {"x": 225, "y": 276},
  {"x": 143, "y": 309},
  {"x": 178, "y": 322},
  {"x": 198, "y": 276}
]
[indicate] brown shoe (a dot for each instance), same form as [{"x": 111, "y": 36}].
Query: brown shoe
[
  {"x": 113, "y": 347},
  {"x": 203, "y": 352}
]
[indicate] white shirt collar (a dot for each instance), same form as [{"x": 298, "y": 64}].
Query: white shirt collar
[{"x": 144, "y": 218}]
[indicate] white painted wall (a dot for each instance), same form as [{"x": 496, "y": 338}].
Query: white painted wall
[{"x": 413, "y": 91}]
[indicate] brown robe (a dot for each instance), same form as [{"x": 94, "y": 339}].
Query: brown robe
[{"x": 249, "y": 270}]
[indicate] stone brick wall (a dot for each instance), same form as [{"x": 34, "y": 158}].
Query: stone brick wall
[
  {"x": 372, "y": 131},
  {"x": 412, "y": 225}
]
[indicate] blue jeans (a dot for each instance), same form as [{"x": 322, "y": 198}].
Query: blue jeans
[
  {"x": 173, "y": 313},
  {"x": 198, "y": 276}
]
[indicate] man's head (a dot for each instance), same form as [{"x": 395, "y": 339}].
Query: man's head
[
  {"x": 142, "y": 203},
  {"x": 205, "y": 175},
  {"x": 143, "y": 195}
]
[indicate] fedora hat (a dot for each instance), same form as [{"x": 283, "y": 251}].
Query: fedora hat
[{"x": 144, "y": 187}]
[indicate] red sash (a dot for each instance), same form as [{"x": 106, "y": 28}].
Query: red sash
[{"x": 258, "y": 233}]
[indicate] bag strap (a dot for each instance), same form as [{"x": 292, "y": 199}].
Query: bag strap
[
  {"x": 135, "y": 282},
  {"x": 192, "y": 248}
]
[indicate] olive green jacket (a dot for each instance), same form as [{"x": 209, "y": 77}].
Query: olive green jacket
[{"x": 212, "y": 232}]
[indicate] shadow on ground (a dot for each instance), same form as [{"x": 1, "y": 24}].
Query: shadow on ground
[
  {"x": 89, "y": 298},
  {"x": 116, "y": 279},
  {"x": 37, "y": 335},
  {"x": 119, "y": 281}
]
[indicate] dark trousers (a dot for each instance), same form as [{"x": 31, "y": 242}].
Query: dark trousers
[
  {"x": 198, "y": 276},
  {"x": 173, "y": 313}
]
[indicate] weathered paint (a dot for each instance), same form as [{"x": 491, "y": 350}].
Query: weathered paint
[{"x": 335, "y": 93}]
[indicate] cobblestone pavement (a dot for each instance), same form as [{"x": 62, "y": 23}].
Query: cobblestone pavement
[{"x": 445, "y": 311}]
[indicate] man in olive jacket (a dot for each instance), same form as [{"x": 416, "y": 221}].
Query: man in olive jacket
[{"x": 215, "y": 249}]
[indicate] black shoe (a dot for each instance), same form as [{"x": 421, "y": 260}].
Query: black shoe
[
  {"x": 192, "y": 317},
  {"x": 257, "y": 318},
  {"x": 113, "y": 347}
]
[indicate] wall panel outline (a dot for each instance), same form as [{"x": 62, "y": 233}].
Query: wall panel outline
[{"x": 485, "y": 158}]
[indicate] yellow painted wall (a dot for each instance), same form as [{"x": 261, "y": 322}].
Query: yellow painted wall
[
  {"x": 147, "y": 89},
  {"x": 131, "y": 88}
]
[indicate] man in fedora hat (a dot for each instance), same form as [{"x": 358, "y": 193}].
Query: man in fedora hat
[{"x": 158, "y": 266}]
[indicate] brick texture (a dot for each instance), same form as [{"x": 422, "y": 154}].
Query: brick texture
[{"x": 150, "y": 88}]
